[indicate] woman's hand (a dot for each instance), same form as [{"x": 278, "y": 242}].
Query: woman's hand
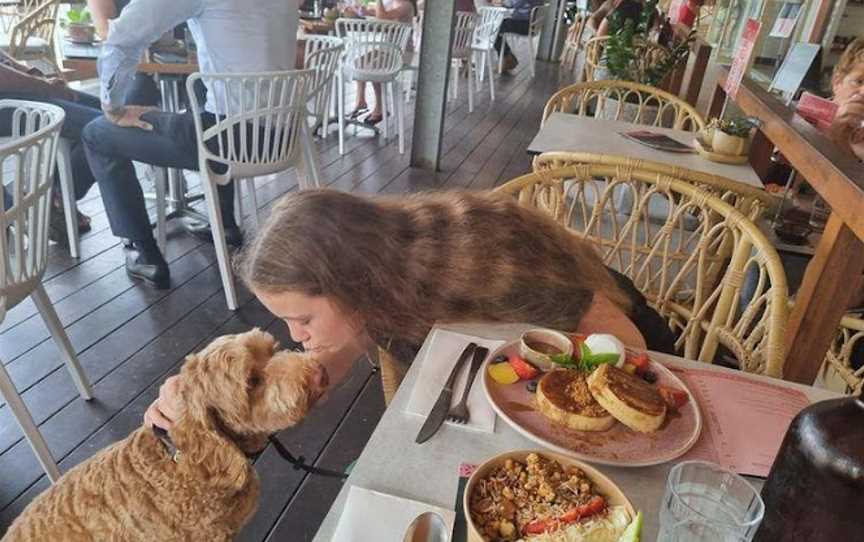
[{"x": 165, "y": 410}]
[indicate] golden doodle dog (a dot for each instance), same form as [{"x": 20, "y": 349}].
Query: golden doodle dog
[{"x": 236, "y": 391}]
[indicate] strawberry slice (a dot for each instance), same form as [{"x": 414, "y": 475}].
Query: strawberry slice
[
  {"x": 525, "y": 370},
  {"x": 674, "y": 397}
]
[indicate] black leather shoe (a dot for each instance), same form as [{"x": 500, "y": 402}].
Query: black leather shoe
[
  {"x": 233, "y": 234},
  {"x": 155, "y": 275}
]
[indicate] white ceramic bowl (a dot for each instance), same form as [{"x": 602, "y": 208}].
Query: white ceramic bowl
[{"x": 554, "y": 339}]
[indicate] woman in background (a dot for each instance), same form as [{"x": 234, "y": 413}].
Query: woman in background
[{"x": 402, "y": 11}]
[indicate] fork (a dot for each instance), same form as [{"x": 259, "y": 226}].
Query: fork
[{"x": 459, "y": 413}]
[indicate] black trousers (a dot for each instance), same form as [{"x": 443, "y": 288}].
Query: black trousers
[
  {"x": 513, "y": 26},
  {"x": 111, "y": 149}
]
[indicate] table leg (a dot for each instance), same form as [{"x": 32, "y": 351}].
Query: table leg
[{"x": 832, "y": 278}]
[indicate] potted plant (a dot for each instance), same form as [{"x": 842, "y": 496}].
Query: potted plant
[
  {"x": 732, "y": 136},
  {"x": 638, "y": 52},
  {"x": 79, "y": 25}
]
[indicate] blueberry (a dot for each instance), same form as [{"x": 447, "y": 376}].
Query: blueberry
[
  {"x": 500, "y": 358},
  {"x": 649, "y": 376},
  {"x": 531, "y": 386}
]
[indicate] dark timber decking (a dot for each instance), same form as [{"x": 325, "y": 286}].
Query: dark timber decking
[{"x": 130, "y": 338}]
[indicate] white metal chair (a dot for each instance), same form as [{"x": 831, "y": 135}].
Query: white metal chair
[
  {"x": 484, "y": 42},
  {"x": 535, "y": 25},
  {"x": 374, "y": 52},
  {"x": 259, "y": 129},
  {"x": 461, "y": 53},
  {"x": 322, "y": 54},
  {"x": 30, "y": 156}
]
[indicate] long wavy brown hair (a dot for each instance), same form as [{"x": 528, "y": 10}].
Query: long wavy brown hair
[{"x": 403, "y": 263}]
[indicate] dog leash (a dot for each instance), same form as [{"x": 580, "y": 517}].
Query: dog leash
[{"x": 300, "y": 462}]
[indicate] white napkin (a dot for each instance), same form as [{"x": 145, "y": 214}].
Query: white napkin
[
  {"x": 441, "y": 357},
  {"x": 379, "y": 517}
]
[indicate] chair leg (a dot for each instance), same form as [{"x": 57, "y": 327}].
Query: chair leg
[
  {"x": 454, "y": 76},
  {"x": 340, "y": 105},
  {"x": 31, "y": 430},
  {"x": 67, "y": 187},
  {"x": 238, "y": 201},
  {"x": 533, "y": 60},
  {"x": 501, "y": 54},
  {"x": 160, "y": 182},
  {"x": 470, "y": 90},
  {"x": 253, "y": 199},
  {"x": 400, "y": 118},
  {"x": 49, "y": 316},
  {"x": 488, "y": 62},
  {"x": 311, "y": 159},
  {"x": 218, "y": 229},
  {"x": 385, "y": 112}
]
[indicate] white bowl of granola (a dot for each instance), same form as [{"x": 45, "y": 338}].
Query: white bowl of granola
[{"x": 543, "y": 496}]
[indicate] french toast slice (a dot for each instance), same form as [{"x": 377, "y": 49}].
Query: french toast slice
[
  {"x": 563, "y": 397},
  {"x": 628, "y": 398}
]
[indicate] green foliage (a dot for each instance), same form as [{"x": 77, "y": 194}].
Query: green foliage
[
  {"x": 631, "y": 54},
  {"x": 738, "y": 126},
  {"x": 78, "y": 15}
]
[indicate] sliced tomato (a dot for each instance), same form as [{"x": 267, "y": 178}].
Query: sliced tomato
[
  {"x": 674, "y": 397},
  {"x": 641, "y": 361},
  {"x": 525, "y": 370},
  {"x": 596, "y": 505}
]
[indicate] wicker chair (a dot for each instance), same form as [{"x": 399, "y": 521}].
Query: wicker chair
[
  {"x": 674, "y": 261},
  {"x": 31, "y": 38},
  {"x": 593, "y": 54},
  {"x": 752, "y": 202},
  {"x": 838, "y": 372},
  {"x": 622, "y": 100},
  {"x": 573, "y": 42}
]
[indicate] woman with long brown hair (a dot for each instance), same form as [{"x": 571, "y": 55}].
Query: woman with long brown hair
[{"x": 350, "y": 273}]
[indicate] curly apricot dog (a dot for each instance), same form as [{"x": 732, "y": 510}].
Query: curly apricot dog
[{"x": 236, "y": 391}]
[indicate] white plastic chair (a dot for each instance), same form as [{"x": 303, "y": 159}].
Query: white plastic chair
[
  {"x": 535, "y": 25},
  {"x": 461, "y": 53},
  {"x": 30, "y": 156},
  {"x": 374, "y": 52},
  {"x": 323, "y": 55},
  {"x": 485, "y": 35},
  {"x": 260, "y": 129}
]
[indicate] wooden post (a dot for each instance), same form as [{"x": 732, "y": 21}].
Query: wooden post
[
  {"x": 701, "y": 55},
  {"x": 834, "y": 276}
]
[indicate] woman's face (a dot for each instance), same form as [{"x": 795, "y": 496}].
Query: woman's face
[{"x": 849, "y": 91}]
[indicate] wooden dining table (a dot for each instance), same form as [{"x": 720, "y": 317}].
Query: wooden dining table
[
  {"x": 392, "y": 463},
  {"x": 565, "y": 132}
]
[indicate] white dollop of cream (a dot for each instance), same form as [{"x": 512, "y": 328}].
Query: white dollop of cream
[{"x": 603, "y": 343}]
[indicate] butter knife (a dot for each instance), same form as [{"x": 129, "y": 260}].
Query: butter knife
[{"x": 442, "y": 405}]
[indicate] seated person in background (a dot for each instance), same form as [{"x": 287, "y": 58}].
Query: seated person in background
[
  {"x": 131, "y": 132},
  {"x": 847, "y": 83},
  {"x": 18, "y": 82},
  {"x": 394, "y": 10},
  {"x": 143, "y": 89},
  {"x": 517, "y": 23}
]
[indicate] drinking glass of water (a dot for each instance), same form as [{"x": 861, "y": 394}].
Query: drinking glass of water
[{"x": 707, "y": 503}]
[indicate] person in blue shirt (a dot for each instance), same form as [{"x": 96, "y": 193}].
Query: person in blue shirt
[
  {"x": 517, "y": 23},
  {"x": 231, "y": 36}
]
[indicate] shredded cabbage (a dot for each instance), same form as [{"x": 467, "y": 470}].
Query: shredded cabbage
[{"x": 608, "y": 528}]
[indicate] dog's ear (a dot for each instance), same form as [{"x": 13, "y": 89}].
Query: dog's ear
[{"x": 204, "y": 448}]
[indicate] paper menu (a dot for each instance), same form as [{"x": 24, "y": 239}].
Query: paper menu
[{"x": 743, "y": 420}]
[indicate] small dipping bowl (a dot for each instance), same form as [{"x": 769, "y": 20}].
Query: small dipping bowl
[{"x": 537, "y": 346}]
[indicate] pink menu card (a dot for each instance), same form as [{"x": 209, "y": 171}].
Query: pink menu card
[{"x": 744, "y": 420}]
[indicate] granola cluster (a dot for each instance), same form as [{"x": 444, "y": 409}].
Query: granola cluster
[{"x": 516, "y": 494}]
